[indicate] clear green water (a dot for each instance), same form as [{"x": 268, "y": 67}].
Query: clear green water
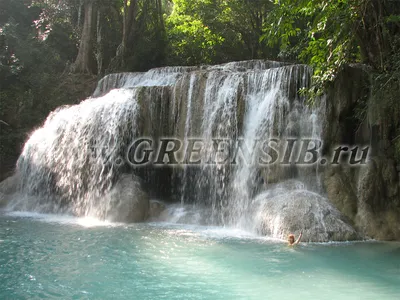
[{"x": 65, "y": 258}]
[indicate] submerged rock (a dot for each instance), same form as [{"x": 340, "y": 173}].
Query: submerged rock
[
  {"x": 301, "y": 210},
  {"x": 127, "y": 202}
]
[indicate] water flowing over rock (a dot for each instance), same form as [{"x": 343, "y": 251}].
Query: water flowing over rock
[
  {"x": 126, "y": 201},
  {"x": 186, "y": 214},
  {"x": 9, "y": 189},
  {"x": 73, "y": 160},
  {"x": 156, "y": 209},
  {"x": 283, "y": 212},
  {"x": 77, "y": 162}
]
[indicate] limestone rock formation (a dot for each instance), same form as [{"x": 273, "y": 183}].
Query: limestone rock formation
[
  {"x": 301, "y": 210},
  {"x": 379, "y": 200},
  {"x": 8, "y": 188},
  {"x": 156, "y": 209},
  {"x": 70, "y": 164},
  {"x": 367, "y": 194},
  {"x": 127, "y": 202},
  {"x": 340, "y": 191}
]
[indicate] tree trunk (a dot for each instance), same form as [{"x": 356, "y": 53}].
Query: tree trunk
[
  {"x": 99, "y": 44},
  {"x": 128, "y": 29},
  {"x": 374, "y": 31},
  {"x": 84, "y": 62}
]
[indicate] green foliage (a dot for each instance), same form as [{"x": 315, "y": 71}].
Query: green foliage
[
  {"x": 148, "y": 50},
  {"x": 326, "y": 31},
  {"x": 192, "y": 41},
  {"x": 331, "y": 34},
  {"x": 10, "y": 65},
  {"x": 29, "y": 69},
  {"x": 39, "y": 39},
  {"x": 205, "y": 31}
]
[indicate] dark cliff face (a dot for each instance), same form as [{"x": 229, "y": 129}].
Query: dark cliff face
[
  {"x": 65, "y": 90},
  {"x": 369, "y": 195}
]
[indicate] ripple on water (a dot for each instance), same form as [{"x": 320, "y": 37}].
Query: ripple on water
[{"x": 58, "y": 257}]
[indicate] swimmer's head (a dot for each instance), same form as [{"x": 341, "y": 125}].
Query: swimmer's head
[{"x": 291, "y": 239}]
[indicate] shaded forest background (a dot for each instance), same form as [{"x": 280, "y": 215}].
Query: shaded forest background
[{"x": 52, "y": 52}]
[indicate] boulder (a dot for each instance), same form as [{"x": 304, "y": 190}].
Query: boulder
[
  {"x": 127, "y": 202},
  {"x": 156, "y": 209},
  {"x": 301, "y": 210},
  {"x": 8, "y": 188}
]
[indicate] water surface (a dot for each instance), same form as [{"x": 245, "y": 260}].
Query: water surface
[{"x": 56, "y": 257}]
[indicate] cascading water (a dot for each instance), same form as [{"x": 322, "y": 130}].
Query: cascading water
[
  {"x": 74, "y": 158},
  {"x": 266, "y": 105},
  {"x": 220, "y": 121},
  {"x": 155, "y": 77},
  {"x": 78, "y": 157},
  {"x": 187, "y": 130}
]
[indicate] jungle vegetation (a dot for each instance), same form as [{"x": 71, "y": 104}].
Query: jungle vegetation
[{"x": 52, "y": 52}]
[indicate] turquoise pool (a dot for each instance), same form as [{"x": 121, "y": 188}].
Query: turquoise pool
[{"x": 57, "y": 257}]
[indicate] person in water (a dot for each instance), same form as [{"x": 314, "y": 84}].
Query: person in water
[{"x": 291, "y": 239}]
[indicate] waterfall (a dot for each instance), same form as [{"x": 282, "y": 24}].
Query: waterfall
[
  {"x": 78, "y": 155},
  {"x": 187, "y": 131},
  {"x": 266, "y": 105},
  {"x": 220, "y": 121},
  {"x": 75, "y": 156},
  {"x": 156, "y": 77}
]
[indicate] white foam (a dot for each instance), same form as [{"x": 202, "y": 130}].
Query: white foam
[
  {"x": 63, "y": 219},
  {"x": 212, "y": 232}
]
